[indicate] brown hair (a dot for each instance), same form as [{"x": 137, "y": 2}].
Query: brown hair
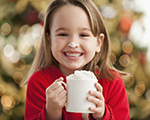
[{"x": 100, "y": 62}]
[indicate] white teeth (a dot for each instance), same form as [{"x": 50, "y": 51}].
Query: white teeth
[{"x": 73, "y": 54}]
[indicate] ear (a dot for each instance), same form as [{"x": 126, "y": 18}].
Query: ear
[{"x": 100, "y": 40}]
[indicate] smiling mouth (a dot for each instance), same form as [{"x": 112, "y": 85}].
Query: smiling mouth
[{"x": 73, "y": 54}]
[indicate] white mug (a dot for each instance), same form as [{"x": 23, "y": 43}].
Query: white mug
[{"x": 77, "y": 92}]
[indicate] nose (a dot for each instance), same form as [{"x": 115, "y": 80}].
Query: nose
[
  {"x": 73, "y": 45},
  {"x": 73, "y": 42}
]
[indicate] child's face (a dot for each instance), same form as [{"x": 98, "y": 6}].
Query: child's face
[{"x": 71, "y": 24}]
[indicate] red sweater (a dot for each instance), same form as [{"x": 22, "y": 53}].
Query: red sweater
[{"x": 116, "y": 101}]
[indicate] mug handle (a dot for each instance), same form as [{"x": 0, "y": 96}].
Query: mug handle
[
  {"x": 65, "y": 87},
  {"x": 63, "y": 84}
]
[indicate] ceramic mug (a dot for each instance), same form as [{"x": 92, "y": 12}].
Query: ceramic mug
[{"x": 77, "y": 93}]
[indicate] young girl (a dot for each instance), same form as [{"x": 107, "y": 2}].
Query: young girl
[{"x": 74, "y": 38}]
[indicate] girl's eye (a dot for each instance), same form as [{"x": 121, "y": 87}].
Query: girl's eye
[
  {"x": 84, "y": 35},
  {"x": 63, "y": 34}
]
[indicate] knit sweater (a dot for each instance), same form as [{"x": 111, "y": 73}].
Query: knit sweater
[{"x": 116, "y": 101}]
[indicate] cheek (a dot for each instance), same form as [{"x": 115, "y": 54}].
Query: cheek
[{"x": 90, "y": 47}]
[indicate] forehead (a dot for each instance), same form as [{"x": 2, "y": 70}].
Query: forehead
[{"x": 70, "y": 15}]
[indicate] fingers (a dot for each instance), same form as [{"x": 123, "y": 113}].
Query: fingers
[
  {"x": 56, "y": 84},
  {"x": 97, "y": 98},
  {"x": 96, "y": 101},
  {"x": 99, "y": 87},
  {"x": 97, "y": 94},
  {"x": 56, "y": 95}
]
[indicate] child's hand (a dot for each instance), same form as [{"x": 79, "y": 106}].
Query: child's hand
[
  {"x": 98, "y": 99},
  {"x": 56, "y": 97}
]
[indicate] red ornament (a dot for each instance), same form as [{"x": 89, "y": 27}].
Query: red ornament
[
  {"x": 125, "y": 24},
  {"x": 31, "y": 17}
]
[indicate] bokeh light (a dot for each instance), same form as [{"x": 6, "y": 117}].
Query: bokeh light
[
  {"x": 7, "y": 102},
  {"x": 8, "y": 50},
  {"x": 124, "y": 60},
  {"x": 23, "y": 29},
  {"x": 15, "y": 57},
  {"x": 5, "y": 29},
  {"x": 26, "y": 49},
  {"x": 18, "y": 76},
  {"x": 147, "y": 95},
  {"x": 36, "y": 45},
  {"x": 2, "y": 90},
  {"x": 140, "y": 88},
  {"x": 129, "y": 81},
  {"x": 20, "y": 65},
  {"x": 113, "y": 58},
  {"x": 16, "y": 97},
  {"x": 127, "y": 47}
]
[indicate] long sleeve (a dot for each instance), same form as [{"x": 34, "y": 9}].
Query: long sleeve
[
  {"x": 116, "y": 101},
  {"x": 36, "y": 97}
]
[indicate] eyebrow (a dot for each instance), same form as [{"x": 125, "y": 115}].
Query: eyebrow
[
  {"x": 60, "y": 29},
  {"x": 82, "y": 29},
  {"x": 85, "y": 28}
]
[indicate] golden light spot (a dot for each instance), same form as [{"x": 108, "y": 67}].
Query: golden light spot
[
  {"x": 8, "y": 50},
  {"x": 139, "y": 88},
  {"x": 147, "y": 95},
  {"x": 5, "y": 29},
  {"x": 20, "y": 65},
  {"x": 2, "y": 90},
  {"x": 16, "y": 97},
  {"x": 26, "y": 49},
  {"x": 8, "y": 112},
  {"x": 129, "y": 81},
  {"x": 7, "y": 102},
  {"x": 15, "y": 57},
  {"x": 18, "y": 77},
  {"x": 113, "y": 58},
  {"x": 36, "y": 45},
  {"x": 127, "y": 47},
  {"x": 124, "y": 60},
  {"x": 23, "y": 29}
]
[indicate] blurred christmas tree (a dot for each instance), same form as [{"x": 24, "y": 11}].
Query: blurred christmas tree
[{"x": 20, "y": 33}]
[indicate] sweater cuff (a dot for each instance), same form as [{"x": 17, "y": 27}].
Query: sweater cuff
[
  {"x": 64, "y": 116},
  {"x": 91, "y": 117},
  {"x": 108, "y": 113},
  {"x": 42, "y": 114}
]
